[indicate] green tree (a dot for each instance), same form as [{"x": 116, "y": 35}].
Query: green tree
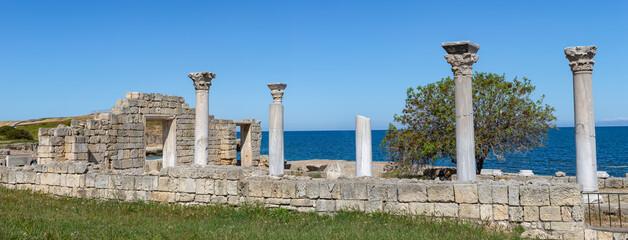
[{"x": 506, "y": 117}]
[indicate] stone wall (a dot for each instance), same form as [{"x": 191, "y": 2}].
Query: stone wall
[
  {"x": 610, "y": 182},
  {"x": 116, "y": 140},
  {"x": 20, "y": 148},
  {"x": 222, "y": 142},
  {"x": 544, "y": 209}
]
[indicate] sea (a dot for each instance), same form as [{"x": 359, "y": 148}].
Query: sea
[{"x": 558, "y": 154}]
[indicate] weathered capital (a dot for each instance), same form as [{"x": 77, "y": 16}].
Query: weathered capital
[
  {"x": 276, "y": 90},
  {"x": 461, "y": 55},
  {"x": 202, "y": 80},
  {"x": 461, "y": 64},
  {"x": 581, "y": 57}
]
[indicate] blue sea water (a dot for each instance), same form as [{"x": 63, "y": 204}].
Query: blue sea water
[{"x": 557, "y": 155}]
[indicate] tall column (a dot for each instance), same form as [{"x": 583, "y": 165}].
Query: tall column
[
  {"x": 275, "y": 130},
  {"x": 363, "y": 147},
  {"x": 462, "y": 56},
  {"x": 202, "y": 81},
  {"x": 581, "y": 63}
]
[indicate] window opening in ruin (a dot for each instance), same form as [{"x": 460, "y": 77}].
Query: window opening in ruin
[{"x": 160, "y": 140}]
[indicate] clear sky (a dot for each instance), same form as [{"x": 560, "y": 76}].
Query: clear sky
[{"x": 339, "y": 58}]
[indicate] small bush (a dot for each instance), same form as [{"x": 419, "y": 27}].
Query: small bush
[
  {"x": 14, "y": 134},
  {"x": 5, "y": 129}
]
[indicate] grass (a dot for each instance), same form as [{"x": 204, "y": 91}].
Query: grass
[
  {"x": 34, "y": 128},
  {"x": 27, "y": 215}
]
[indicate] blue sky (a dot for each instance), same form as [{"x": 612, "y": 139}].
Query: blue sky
[{"x": 339, "y": 58}]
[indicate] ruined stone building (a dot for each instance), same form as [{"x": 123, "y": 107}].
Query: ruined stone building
[{"x": 117, "y": 140}]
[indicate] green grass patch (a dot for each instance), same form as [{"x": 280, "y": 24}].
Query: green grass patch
[
  {"x": 34, "y": 129},
  {"x": 27, "y": 215}
]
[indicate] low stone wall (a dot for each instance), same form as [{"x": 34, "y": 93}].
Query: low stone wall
[
  {"x": 544, "y": 209},
  {"x": 19, "y": 148},
  {"x": 610, "y": 182}
]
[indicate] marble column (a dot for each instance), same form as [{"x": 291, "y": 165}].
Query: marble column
[
  {"x": 363, "y": 147},
  {"x": 275, "y": 130},
  {"x": 581, "y": 63},
  {"x": 462, "y": 56},
  {"x": 202, "y": 81}
]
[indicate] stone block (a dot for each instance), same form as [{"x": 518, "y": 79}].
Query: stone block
[
  {"x": 500, "y": 194},
  {"x": 534, "y": 195},
  {"x": 277, "y": 201},
  {"x": 565, "y": 214},
  {"x": 411, "y": 193},
  {"x": 513, "y": 195},
  {"x": 102, "y": 181},
  {"x": 50, "y": 179},
  {"x": 530, "y": 213},
  {"x": 329, "y": 190},
  {"x": 232, "y": 188},
  {"x": 550, "y": 213},
  {"x": 419, "y": 208},
  {"x": 253, "y": 188},
  {"x": 515, "y": 214},
  {"x": 353, "y": 190},
  {"x": 323, "y": 205},
  {"x": 471, "y": 211},
  {"x": 220, "y": 188},
  {"x": 163, "y": 196},
  {"x": 396, "y": 207},
  {"x": 500, "y": 212},
  {"x": 374, "y": 206},
  {"x": 381, "y": 192},
  {"x": 565, "y": 195},
  {"x": 486, "y": 212},
  {"x": 301, "y": 202},
  {"x": 485, "y": 193},
  {"x": 466, "y": 193},
  {"x": 288, "y": 189},
  {"x": 350, "y": 205},
  {"x": 440, "y": 193},
  {"x": 567, "y": 226},
  {"x": 150, "y": 183},
  {"x": 445, "y": 209},
  {"x": 75, "y": 180},
  {"x": 312, "y": 189},
  {"x": 301, "y": 192}
]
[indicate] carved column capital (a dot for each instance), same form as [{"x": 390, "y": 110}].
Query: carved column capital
[
  {"x": 581, "y": 57},
  {"x": 461, "y": 55},
  {"x": 276, "y": 90},
  {"x": 461, "y": 64},
  {"x": 202, "y": 80}
]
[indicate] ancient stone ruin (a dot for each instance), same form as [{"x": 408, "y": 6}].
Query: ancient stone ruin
[
  {"x": 105, "y": 158},
  {"x": 117, "y": 140}
]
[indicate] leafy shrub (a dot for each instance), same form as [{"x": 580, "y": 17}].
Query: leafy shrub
[
  {"x": 5, "y": 129},
  {"x": 14, "y": 134}
]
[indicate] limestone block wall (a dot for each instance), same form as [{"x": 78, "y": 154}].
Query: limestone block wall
[
  {"x": 116, "y": 140},
  {"x": 610, "y": 182},
  {"x": 19, "y": 148},
  {"x": 553, "y": 210},
  {"x": 222, "y": 142}
]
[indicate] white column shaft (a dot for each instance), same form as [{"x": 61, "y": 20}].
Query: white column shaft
[
  {"x": 201, "y": 127},
  {"x": 275, "y": 140},
  {"x": 584, "y": 124},
  {"x": 363, "y": 147},
  {"x": 465, "y": 140}
]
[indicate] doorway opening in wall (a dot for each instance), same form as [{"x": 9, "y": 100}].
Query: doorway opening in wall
[
  {"x": 160, "y": 140},
  {"x": 245, "y": 152}
]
